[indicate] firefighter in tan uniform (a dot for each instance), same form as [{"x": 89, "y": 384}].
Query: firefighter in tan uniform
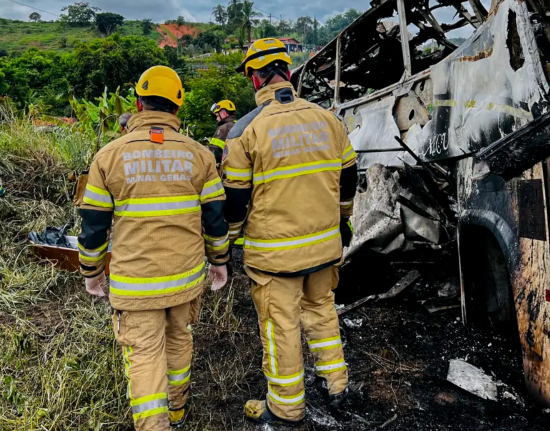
[
  {"x": 167, "y": 201},
  {"x": 226, "y": 117},
  {"x": 292, "y": 164}
]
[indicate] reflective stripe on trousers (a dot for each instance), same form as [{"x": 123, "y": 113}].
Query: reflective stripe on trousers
[
  {"x": 285, "y": 400},
  {"x": 154, "y": 207},
  {"x": 330, "y": 366},
  {"x": 150, "y": 405},
  {"x": 131, "y": 286},
  {"x": 179, "y": 377},
  {"x": 297, "y": 170},
  {"x": 212, "y": 189},
  {"x": 290, "y": 243},
  {"x": 97, "y": 197},
  {"x": 285, "y": 380},
  {"x": 325, "y": 343},
  {"x": 271, "y": 347}
]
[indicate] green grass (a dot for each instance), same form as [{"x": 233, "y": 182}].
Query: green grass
[
  {"x": 19, "y": 36},
  {"x": 60, "y": 367}
]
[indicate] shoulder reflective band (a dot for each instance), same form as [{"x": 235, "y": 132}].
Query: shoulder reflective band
[
  {"x": 155, "y": 207},
  {"x": 212, "y": 189},
  {"x": 179, "y": 377},
  {"x": 238, "y": 174},
  {"x": 290, "y": 243},
  {"x": 348, "y": 154},
  {"x": 217, "y": 142},
  {"x": 150, "y": 405},
  {"x": 330, "y": 367},
  {"x": 325, "y": 343},
  {"x": 131, "y": 286},
  {"x": 286, "y": 400},
  {"x": 285, "y": 380},
  {"x": 297, "y": 170},
  {"x": 97, "y": 197}
]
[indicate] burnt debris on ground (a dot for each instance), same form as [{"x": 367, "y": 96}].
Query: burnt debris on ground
[{"x": 398, "y": 355}]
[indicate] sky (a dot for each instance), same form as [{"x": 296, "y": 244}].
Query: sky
[{"x": 201, "y": 11}]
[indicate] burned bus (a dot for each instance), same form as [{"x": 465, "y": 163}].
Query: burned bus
[{"x": 475, "y": 119}]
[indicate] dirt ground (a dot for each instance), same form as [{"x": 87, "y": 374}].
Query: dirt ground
[{"x": 398, "y": 356}]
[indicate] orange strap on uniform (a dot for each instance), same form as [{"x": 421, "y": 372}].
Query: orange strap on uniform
[{"x": 157, "y": 135}]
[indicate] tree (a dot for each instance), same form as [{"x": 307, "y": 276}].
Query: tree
[
  {"x": 180, "y": 20},
  {"x": 112, "y": 62},
  {"x": 220, "y": 15},
  {"x": 107, "y": 22},
  {"x": 146, "y": 26},
  {"x": 266, "y": 29},
  {"x": 284, "y": 28},
  {"x": 234, "y": 14},
  {"x": 81, "y": 13},
  {"x": 315, "y": 34},
  {"x": 340, "y": 21},
  {"x": 304, "y": 26},
  {"x": 248, "y": 20},
  {"x": 35, "y": 16}
]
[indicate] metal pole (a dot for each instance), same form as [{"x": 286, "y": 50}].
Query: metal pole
[
  {"x": 404, "y": 37},
  {"x": 337, "y": 77}
]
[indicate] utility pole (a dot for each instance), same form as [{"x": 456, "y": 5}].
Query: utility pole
[{"x": 270, "y": 18}]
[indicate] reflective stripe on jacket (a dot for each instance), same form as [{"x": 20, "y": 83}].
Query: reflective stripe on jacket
[
  {"x": 167, "y": 202},
  {"x": 284, "y": 161}
]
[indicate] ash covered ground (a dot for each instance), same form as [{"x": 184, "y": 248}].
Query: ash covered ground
[{"x": 398, "y": 355}]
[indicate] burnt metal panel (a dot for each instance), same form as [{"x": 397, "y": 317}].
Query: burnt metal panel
[{"x": 532, "y": 223}]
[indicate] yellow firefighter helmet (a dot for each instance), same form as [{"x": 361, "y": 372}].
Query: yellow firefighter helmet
[
  {"x": 228, "y": 105},
  {"x": 264, "y": 52},
  {"x": 163, "y": 82}
]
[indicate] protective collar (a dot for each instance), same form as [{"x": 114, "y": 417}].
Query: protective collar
[
  {"x": 268, "y": 93},
  {"x": 146, "y": 119}
]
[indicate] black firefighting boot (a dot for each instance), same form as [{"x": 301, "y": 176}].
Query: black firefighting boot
[
  {"x": 178, "y": 416},
  {"x": 258, "y": 411},
  {"x": 334, "y": 401}
]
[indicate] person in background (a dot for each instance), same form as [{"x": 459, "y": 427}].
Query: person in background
[
  {"x": 226, "y": 116},
  {"x": 123, "y": 122}
]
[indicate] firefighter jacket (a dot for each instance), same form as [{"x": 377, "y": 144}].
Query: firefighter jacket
[
  {"x": 217, "y": 143},
  {"x": 167, "y": 201},
  {"x": 292, "y": 163}
]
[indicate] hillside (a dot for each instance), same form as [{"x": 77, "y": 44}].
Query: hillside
[{"x": 19, "y": 35}]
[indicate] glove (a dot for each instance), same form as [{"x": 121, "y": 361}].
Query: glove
[
  {"x": 346, "y": 231},
  {"x": 218, "y": 276},
  {"x": 96, "y": 285}
]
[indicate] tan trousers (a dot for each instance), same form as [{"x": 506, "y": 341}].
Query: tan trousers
[
  {"x": 157, "y": 346},
  {"x": 282, "y": 303}
]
